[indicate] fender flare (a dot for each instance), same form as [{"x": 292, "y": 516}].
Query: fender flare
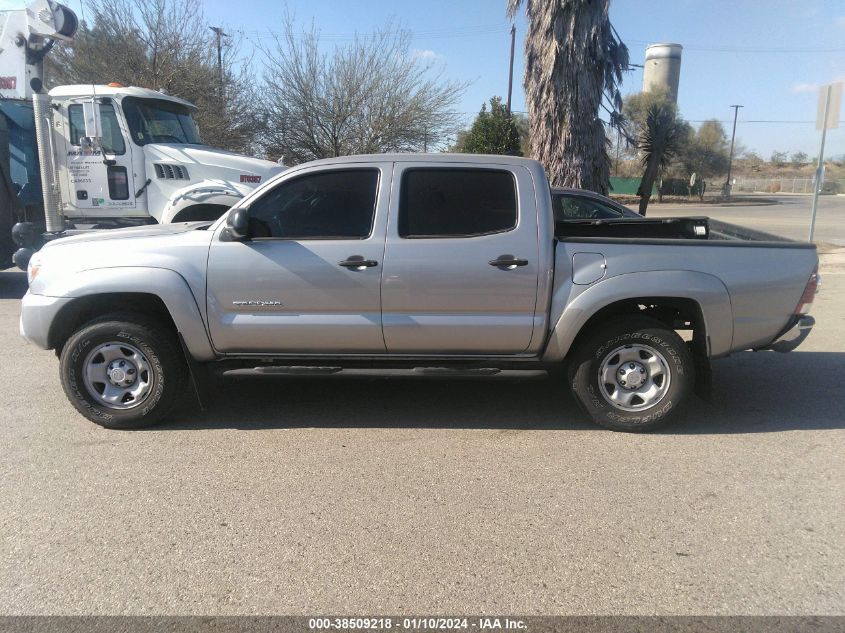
[
  {"x": 708, "y": 291},
  {"x": 211, "y": 192},
  {"x": 166, "y": 284}
]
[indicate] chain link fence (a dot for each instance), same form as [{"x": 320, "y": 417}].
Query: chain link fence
[{"x": 786, "y": 185}]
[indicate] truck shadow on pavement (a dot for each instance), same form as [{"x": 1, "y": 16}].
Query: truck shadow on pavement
[
  {"x": 13, "y": 284},
  {"x": 752, "y": 393}
]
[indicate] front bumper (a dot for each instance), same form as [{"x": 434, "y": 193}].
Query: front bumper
[
  {"x": 37, "y": 315},
  {"x": 793, "y": 334}
]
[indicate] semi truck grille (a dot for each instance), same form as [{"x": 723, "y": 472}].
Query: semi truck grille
[{"x": 171, "y": 172}]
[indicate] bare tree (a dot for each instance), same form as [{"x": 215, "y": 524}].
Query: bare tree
[
  {"x": 163, "y": 45},
  {"x": 573, "y": 60},
  {"x": 370, "y": 96}
]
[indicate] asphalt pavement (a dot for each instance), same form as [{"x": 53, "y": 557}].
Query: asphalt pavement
[
  {"x": 409, "y": 496},
  {"x": 789, "y": 216}
]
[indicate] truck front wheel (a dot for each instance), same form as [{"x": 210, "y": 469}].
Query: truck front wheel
[
  {"x": 123, "y": 371},
  {"x": 632, "y": 374}
]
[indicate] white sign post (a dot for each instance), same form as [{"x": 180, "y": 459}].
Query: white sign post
[{"x": 827, "y": 118}]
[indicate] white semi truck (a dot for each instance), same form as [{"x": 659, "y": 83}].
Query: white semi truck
[{"x": 89, "y": 156}]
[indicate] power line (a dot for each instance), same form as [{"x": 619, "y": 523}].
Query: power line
[
  {"x": 745, "y": 49},
  {"x": 466, "y": 31},
  {"x": 493, "y": 29},
  {"x": 747, "y": 121}
]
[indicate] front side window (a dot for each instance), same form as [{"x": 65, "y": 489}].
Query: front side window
[
  {"x": 112, "y": 140},
  {"x": 326, "y": 205},
  {"x": 456, "y": 203},
  {"x": 160, "y": 121}
]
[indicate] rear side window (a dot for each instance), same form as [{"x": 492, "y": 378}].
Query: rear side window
[
  {"x": 456, "y": 203},
  {"x": 326, "y": 205}
]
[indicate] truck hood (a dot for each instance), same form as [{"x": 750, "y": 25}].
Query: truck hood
[
  {"x": 152, "y": 231},
  {"x": 182, "y": 248},
  {"x": 211, "y": 158}
]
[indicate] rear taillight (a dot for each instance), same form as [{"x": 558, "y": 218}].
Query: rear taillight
[{"x": 809, "y": 293}]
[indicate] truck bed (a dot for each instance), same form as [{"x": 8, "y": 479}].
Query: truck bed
[
  {"x": 687, "y": 228},
  {"x": 761, "y": 276}
]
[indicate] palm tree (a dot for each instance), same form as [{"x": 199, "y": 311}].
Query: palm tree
[
  {"x": 573, "y": 59},
  {"x": 661, "y": 137}
]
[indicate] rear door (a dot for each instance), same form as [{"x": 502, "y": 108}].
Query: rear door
[
  {"x": 307, "y": 282},
  {"x": 461, "y": 260}
]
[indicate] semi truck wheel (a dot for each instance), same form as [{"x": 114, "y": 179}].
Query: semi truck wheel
[
  {"x": 632, "y": 374},
  {"x": 123, "y": 371}
]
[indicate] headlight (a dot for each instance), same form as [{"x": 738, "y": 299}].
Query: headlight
[{"x": 33, "y": 268}]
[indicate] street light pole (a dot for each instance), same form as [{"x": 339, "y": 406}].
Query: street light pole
[{"x": 731, "y": 157}]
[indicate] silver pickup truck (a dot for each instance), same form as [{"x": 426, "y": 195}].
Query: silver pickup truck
[{"x": 437, "y": 264}]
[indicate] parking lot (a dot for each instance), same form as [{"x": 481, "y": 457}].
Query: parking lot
[{"x": 371, "y": 495}]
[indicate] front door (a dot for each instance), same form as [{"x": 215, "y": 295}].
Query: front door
[
  {"x": 99, "y": 178},
  {"x": 461, "y": 261},
  {"x": 307, "y": 281}
]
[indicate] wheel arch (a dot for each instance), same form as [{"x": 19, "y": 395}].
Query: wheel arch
[
  {"x": 200, "y": 212},
  {"x": 699, "y": 298},
  {"x": 201, "y": 198},
  {"x": 155, "y": 292}
]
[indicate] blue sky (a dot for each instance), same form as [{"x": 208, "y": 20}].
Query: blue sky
[{"x": 768, "y": 55}]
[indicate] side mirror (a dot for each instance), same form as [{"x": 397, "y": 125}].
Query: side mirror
[
  {"x": 237, "y": 223},
  {"x": 91, "y": 114}
]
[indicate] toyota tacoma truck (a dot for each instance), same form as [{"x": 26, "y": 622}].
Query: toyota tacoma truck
[{"x": 437, "y": 264}]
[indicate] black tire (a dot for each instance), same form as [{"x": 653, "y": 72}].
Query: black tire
[
  {"x": 633, "y": 336},
  {"x": 161, "y": 364}
]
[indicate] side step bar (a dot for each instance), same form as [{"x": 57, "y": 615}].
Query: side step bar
[
  {"x": 458, "y": 371},
  {"x": 281, "y": 370},
  {"x": 306, "y": 370}
]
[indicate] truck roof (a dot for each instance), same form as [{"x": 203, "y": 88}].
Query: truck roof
[{"x": 84, "y": 90}]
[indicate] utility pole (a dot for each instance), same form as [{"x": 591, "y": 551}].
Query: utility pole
[
  {"x": 731, "y": 157},
  {"x": 827, "y": 118},
  {"x": 618, "y": 149},
  {"x": 218, "y": 31},
  {"x": 510, "y": 71}
]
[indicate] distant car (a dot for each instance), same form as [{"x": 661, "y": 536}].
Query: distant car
[{"x": 578, "y": 204}]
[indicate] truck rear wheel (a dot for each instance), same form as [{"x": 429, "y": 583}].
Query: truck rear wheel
[
  {"x": 632, "y": 374},
  {"x": 123, "y": 371}
]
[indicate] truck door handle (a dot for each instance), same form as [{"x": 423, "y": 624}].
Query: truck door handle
[
  {"x": 508, "y": 261},
  {"x": 356, "y": 261}
]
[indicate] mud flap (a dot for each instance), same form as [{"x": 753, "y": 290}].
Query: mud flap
[
  {"x": 197, "y": 374},
  {"x": 703, "y": 387}
]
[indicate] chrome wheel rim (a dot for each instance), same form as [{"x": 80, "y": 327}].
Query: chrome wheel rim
[
  {"x": 634, "y": 377},
  {"x": 118, "y": 376}
]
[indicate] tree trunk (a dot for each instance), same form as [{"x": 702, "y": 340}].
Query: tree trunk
[
  {"x": 565, "y": 65},
  {"x": 646, "y": 184}
]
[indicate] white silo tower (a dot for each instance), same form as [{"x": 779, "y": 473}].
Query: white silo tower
[{"x": 662, "y": 68}]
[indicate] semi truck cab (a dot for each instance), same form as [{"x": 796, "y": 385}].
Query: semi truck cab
[
  {"x": 147, "y": 161},
  {"x": 87, "y": 156}
]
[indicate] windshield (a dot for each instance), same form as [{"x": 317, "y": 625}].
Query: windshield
[{"x": 160, "y": 121}]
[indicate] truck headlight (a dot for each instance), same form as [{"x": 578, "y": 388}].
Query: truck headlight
[{"x": 33, "y": 268}]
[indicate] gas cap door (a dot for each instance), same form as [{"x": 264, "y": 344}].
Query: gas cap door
[{"x": 588, "y": 268}]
